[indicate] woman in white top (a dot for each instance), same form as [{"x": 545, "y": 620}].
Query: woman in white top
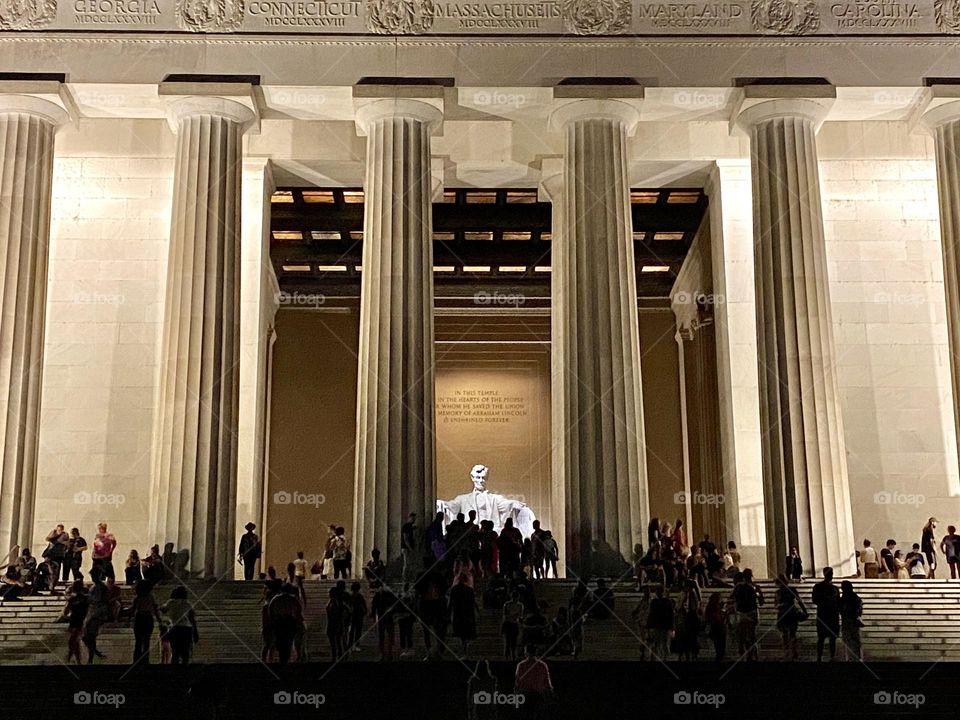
[{"x": 183, "y": 625}]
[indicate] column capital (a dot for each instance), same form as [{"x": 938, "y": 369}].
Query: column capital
[
  {"x": 369, "y": 110},
  {"x": 45, "y": 99},
  {"x": 759, "y": 103},
  {"x": 939, "y": 106},
  {"x": 231, "y": 101},
  {"x": 568, "y": 110}
]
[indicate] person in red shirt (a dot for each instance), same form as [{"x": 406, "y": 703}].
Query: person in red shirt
[
  {"x": 103, "y": 546},
  {"x": 532, "y": 680}
]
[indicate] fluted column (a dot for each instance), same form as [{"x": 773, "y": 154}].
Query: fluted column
[
  {"x": 196, "y": 450},
  {"x": 27, "y": 128},
  {"x": 594, "y": 279},
  {"x": 942, "y": 120},
  {"x": 806, "y": 492},
  {"x": 395, "y": 470}
]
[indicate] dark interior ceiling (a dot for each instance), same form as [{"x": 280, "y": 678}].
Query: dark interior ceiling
[{"x": 497, "y": 241}]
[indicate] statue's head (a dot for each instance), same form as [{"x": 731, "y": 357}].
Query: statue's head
[{"x": 479, "y": 476}]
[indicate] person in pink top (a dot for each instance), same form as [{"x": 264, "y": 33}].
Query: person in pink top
[
  {"x": 532, "y": 680},
  {"x": 103, "y": 546}
]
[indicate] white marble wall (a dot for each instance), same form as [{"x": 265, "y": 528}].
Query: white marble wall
[
  {"x": 110, "y": 218},
  {"x": 886, "y": 285}
]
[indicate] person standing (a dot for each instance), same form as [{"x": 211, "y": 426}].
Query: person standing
[
  {"x": 326, "y": 568},
  {"x": 358, "y": 611},
  {"x": 513, "y": 611},
  {"x": 405, "y": 619},
  {"x": 927, "y": 547},
  {"x": 851, "y": 608},
  {"x": 510, "y": 545},
  {"x": 104, "y": 544},
  {"x": 790, "y": 613},
  {"x": 463, "y": 613},
  {"x": 183, "y": 631},
  {"x": 145, "y": 611},
  {"x": 337, "y": 619},
  {"x": 382, "y": 607},
  {"x": 888, "y": 567},
  {"x": 300, "y": 576},
  {"x": 794, "y": 569},
  {"x": 715, "y": 617},
  {"x": 532, "y": 680},
  {"x": 285, "y": 612},
  {"x": 341, "y": 555},
  {"x": 97, "y": 614},
  {"x": 249, "y": 551},
  {"x": 826, "y": 597},
  {"x": 537, "y": 550},
  {"x": 551, "y": 554},
  {"x": 901, "y": 566},
  {"x": 76, "y": 611},
  {"x": 747, "y": 599},
  {"x": 73, "y": 557},
  {"x": 57, "y": 544},
  {"x": 408, "y": 548},
  {"x": 950, "y": 546},
  {"x": 660, "y": 623},
  {"x": 132, "y": 572},
  {"x": 871, "y": 565}
]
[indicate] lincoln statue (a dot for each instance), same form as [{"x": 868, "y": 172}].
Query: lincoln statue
[{"x": 488, "y": 505}]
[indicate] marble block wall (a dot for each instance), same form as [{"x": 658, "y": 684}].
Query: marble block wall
[
  {"x": 112, "y": 192},
  {"x": 886, "y": 285}
]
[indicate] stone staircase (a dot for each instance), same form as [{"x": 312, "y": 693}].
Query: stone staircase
[{"x": 905, "y": 620}]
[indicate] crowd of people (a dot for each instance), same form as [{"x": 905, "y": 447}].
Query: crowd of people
[
  {"x": 688, "y": 593},
  {"x": 916, "y": 564}
]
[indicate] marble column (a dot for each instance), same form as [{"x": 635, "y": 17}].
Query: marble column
[
  {"x": 806, "y": 492},
  {"x": 28, "y": 125},
  {"x": 395, "y": 471},
  {"x": 942, "y": 119},
  {"x": 594, "y": 279},
  {"x": 196, "y": 449}
]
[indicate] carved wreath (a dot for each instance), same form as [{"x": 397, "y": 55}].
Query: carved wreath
[
  {"x": 399, "y": 17},
  {"x": 946, "y": 13},
  {"x": 597, "y": 17},
  {"x": 210, "y": 15},
  {"x": 26, "y": 14},
  {"x": 785, "y": 17}
]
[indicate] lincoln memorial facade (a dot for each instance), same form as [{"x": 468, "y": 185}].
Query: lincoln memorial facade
[{"x": 308, "y": 263}]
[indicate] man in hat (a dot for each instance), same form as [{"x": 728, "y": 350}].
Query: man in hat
[{"x": 249, "y": 551}]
